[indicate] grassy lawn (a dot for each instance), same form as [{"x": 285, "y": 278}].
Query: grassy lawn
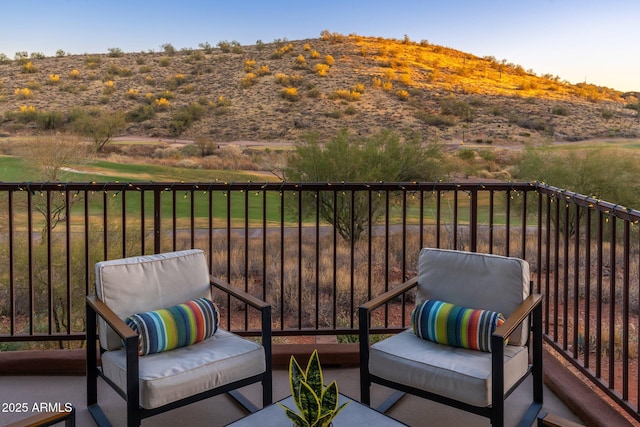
[{"x": 13, "y": 169}]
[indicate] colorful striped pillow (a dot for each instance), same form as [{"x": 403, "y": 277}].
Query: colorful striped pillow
[
  {"x": 174, "y": 327},
  {"x": 454, "y": 325}
]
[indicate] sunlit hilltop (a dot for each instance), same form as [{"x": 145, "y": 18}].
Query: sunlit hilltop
[{"x": 284, "y": 89}]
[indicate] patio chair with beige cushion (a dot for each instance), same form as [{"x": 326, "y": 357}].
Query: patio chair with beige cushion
[
  {"x": 450, "y": 355},
  {"x": 160, "y": 344}
]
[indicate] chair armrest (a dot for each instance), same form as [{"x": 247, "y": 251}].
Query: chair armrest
[
  {"x": 112, "y": 319},
  {"x": 518, "y": 316},
  {"x": 390, "y": 294},
  {"x": 46, "y": 419},
  {"x": 239, "y": 293}
]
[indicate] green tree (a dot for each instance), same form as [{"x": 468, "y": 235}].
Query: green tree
[
  {"x": 383, "y": 157},
  {"x": 98, "y": 125},
  {"x": 603, "y": 174}
]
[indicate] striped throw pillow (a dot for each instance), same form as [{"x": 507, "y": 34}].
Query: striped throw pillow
[
  {"x": 179, "y": 326},
  {"x": 454, "y": 325}
]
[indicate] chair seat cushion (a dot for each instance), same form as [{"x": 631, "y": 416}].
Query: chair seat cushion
[
  {"x": 173, "y": 327},
  {"x": 455, "y": 325},
  {"x": 458, "y": 373},
  {"x": 186, "y": 371}
]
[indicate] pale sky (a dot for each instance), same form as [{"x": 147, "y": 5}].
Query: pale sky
[{"x": 593, "y": 41}]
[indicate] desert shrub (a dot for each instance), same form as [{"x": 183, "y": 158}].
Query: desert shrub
[
  {"x": 140, "y": 114},
  {"x": 184, "y": 116},
  {"x": 176, "y": 80},
  {"x": 289, "y": 93},
  {"x": 162, "y": 103},
  {"x": 168, "y": 49},
  {"x": 559, "y": 110},
  {"x": 534, "y": 123},
  {"x": 435, "y": 120},
  {"x": 132, "y": 93},
  {"x": 29, "y": 68},
  {"x": 402, "y": 94},
  {"x": 350, "y": 110},
  {"x": 264, "y": 70},
  {"x": 21, "y": 57},
  {"x": 236, "y": 47},
  {"x": 204, "y": 146},
  {"x": 248, "y": 80},
  {"x": 206, "y": 47},
  {"x": 454, "y": 107},
  {"x": 164, "y": 61},
  {"x": 249, "y": 65},
  {"x": 607, "y": 114},
  {"x": 224, "y": 46},
  {"x": 358, "y": 87},
  {"x": 300, "y": 62},
  {"x": 23, "y": 93},
  {"x": 282, "y": 79},
  {"x": 347, "y": 95},
  {"x": 322, "y": 69},
  {"x": 93, "y": 61},
  {"x": 114, "y": 52},
  {"x": 4, "y": 59},
  {"x": 25, "y": 114},
  {"x": 51, "y": 120},
  {"x": 466, "y": 154},
  {"x": 109, "y": 87}
]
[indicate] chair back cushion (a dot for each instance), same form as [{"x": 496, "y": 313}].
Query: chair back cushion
[
  {"x": 474, "y": 280},
  {"x": 149, "y": 282}
]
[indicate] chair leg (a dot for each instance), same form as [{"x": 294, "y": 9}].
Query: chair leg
[
  {"x": 267, "y": 388},
  {"x": 92, "y": 374},
  {"x": 365, "y": 380}
]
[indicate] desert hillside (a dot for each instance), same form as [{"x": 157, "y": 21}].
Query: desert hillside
[{"x": 279, "y": 91}]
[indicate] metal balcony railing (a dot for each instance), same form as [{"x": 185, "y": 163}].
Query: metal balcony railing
[{"x": 315, "y": 251}]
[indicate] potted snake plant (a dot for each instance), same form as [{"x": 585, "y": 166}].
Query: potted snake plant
[{"x": 317, "y": 404}]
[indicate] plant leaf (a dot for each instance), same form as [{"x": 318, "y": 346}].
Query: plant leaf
[
  {"x": 296, "y": 376},
  {"x": 295, "y": 417},
  {"x": 314, "y": 374},
  {"x": 329, "y": 399},
  {"x": 309, "y": 404},
  {"x": 324, "y": 420},
  {"x": 340, "y": 408}
]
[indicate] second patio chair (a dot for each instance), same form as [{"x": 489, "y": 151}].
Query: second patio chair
[{"x": 450, "y": 354}]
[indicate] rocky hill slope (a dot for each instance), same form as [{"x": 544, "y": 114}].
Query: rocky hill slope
[{"x": 281, "y": 90}]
